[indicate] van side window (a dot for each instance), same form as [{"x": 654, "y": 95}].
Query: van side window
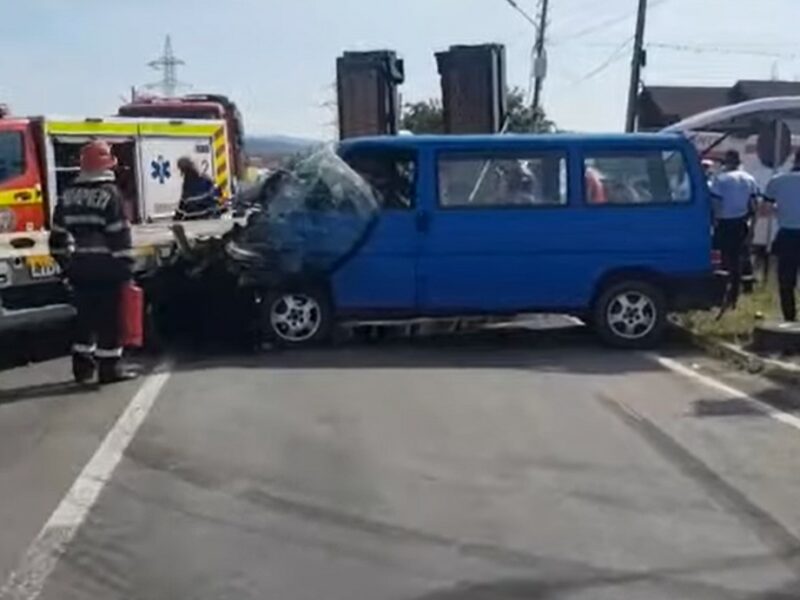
[
  {"x": 646, "y": 177},
  {"x": 12, "y": 155},
  {"x": 390, "y": 173},
  {"x": 509, "y": 180}
]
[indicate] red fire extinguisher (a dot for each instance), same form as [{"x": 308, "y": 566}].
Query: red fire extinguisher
[{"x": 131, "y": 313}]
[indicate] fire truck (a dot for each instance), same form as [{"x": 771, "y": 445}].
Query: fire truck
[{"x": 39, "y": 157}]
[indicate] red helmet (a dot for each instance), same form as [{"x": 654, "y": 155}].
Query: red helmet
[{"x": 96, "y": 156}]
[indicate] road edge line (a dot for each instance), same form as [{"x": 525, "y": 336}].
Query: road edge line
[
  {"x": 27, "y": 581},
  {"x": 712, "y": 382}
]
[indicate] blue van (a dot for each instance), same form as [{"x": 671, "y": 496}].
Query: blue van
[{"x": 612, "y": 228}]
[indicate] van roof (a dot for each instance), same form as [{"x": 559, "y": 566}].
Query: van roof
[{"x": 514, "y": 139}]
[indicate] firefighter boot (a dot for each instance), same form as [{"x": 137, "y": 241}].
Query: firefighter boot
[
  {"x": 113, "y": 370},
  {"x": 83, "y": 367}
]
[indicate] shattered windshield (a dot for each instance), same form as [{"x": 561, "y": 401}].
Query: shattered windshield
[{"x": 308, "y": 216}]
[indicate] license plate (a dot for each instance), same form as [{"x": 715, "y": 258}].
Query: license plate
[{"x": 41, "y": 267}]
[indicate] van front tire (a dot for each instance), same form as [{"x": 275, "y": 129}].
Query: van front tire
[
  {"x": 297, "y": 316},
  {"x": 630, "y": 314}
]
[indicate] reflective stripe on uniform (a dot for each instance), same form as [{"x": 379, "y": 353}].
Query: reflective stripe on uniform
[
  {"x": 128, "y": 253},
  {"x": 58, "y": 229},
  {"x": 117, "y": 227},
  {"x": 108, "y": 352},
  {"x": 195, "y": 198},
  {"x": 83, "y": 348},
  {"x": 84, "y": 220},
  {"x": 92, "y": 250}
]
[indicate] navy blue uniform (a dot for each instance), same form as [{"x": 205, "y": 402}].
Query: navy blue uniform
[{"x": 91, "y": 240}]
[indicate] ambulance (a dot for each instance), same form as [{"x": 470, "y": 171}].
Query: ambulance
[{"x": 39, "y": 158}]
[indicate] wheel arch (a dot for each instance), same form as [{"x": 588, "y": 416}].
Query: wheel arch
[
  {"x": 632, "y": 273},
  {"x": 302, "y": 280}
]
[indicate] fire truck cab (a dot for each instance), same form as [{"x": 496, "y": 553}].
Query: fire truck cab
[
  {"x": 197, "y": 106},
  {"x": 21, "y": 183}
]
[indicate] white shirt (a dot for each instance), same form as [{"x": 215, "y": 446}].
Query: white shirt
[
  {"x": 784, "y": 189},
  {"x": 732, "y": 192}
]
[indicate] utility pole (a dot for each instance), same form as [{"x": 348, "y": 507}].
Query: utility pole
[
  {"x": 540, "y": 62},
  {"x": 636, "y": 68}
]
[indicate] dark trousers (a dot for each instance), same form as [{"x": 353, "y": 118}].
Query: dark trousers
[
  {"x": 97, "y": 331},
  {"x": 731, "y": 239},
  {"x": 787, "y": 247}
]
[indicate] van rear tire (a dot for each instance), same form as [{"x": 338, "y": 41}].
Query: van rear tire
[{"x": 630, "y": 314}]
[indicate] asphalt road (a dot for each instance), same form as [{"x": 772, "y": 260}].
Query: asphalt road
[{"x": 505, "y": 465}]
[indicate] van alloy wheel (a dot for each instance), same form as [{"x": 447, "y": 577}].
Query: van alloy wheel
[
  {"x": 632, "y": 315},
  {"x": 295, "y": 317}
]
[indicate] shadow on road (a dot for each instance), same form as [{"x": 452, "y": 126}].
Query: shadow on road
[
  {"x": 783, "y": 398},
  {"x": 45, "y": 390},
  {"x": 570, "y": 349},
  {"x": 734, "y": 407},
  {"x": 20, "y": 348}
]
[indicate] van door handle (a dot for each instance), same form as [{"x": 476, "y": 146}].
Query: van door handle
[
  {"x": 22, "y": 196},
  {"x": 423, "y": 221}
]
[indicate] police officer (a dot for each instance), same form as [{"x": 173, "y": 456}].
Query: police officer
[
  {"x": 91, "y": 240},
  {"x": 734, "y": 193},
  {"x": 784, "y": 191}
]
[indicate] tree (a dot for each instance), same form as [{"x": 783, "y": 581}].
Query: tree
[
  {"x": 428, "y": 116},
  {"x": 423, "y": 117}
]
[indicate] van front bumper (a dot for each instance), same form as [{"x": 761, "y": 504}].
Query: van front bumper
[{"x": 696, "y": 291}]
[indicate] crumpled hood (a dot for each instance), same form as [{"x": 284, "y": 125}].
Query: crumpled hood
[{"x": 310, "y": 216}]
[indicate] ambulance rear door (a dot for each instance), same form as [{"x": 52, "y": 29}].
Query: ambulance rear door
[
  {"x": 161, "y": 144},
  {"x": 66, "y": 137}
]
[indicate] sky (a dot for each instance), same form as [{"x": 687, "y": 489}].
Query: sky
[{"x": 276, "y": 58}]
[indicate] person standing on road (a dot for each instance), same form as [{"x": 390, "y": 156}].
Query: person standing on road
[
  {"x": 784, "y": 192},
  {"x": 734, "y": 193},
  {"x": 91, "y": 240}
]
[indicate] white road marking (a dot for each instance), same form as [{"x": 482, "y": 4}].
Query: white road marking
[
  {"x": 767, "y": 409},
  {"x": 27, "y": 581}
]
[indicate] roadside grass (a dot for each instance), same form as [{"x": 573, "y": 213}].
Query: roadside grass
[{"x": 736, "y": 325}]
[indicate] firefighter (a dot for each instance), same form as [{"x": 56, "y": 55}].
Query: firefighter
[
  {"x": 734, "y": 193},
  {"x": 91, "y": 240},
  {"x": 198, "y": 193}
]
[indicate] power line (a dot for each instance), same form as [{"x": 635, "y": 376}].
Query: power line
[
  {"x": 596, "y": 27},
  {"x": 605, "y": 24},
  {"x": 519, "y": 9},
  {"x": 701, "y": 49},
  {"x": 618, "y": 53}
]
